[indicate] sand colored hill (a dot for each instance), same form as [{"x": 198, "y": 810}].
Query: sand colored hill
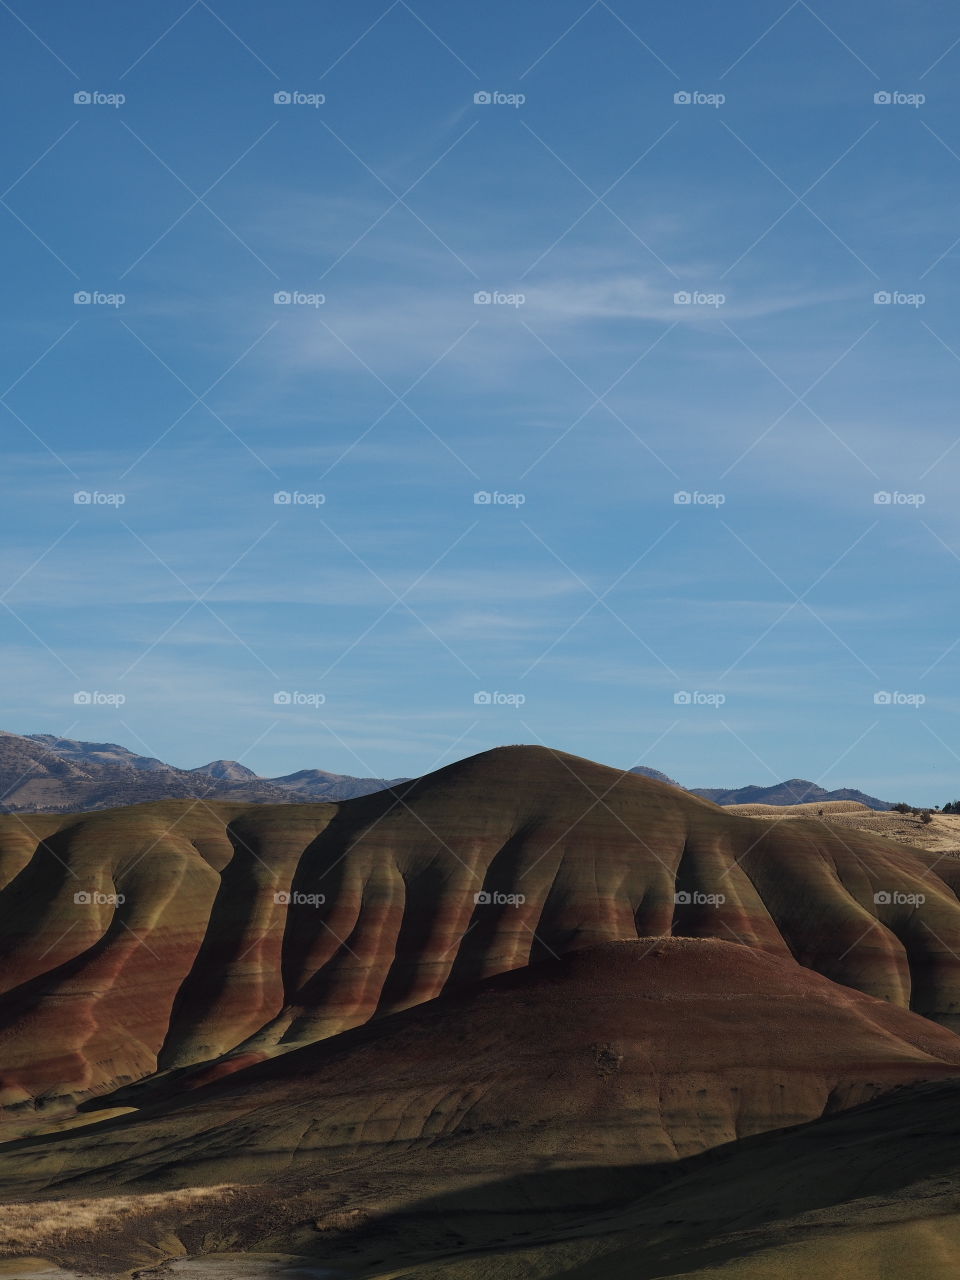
[
  {"x": 181, "y": 937},
  {"x": 940, "y": 835},
  {"x": 815, "y": 809},
  {"x": 586, "y": 1080}
]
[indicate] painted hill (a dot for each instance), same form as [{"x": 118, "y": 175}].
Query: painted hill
[
  {"x": 795, "y": 791},
  {"x": 223, "y": 932},
  {"x": 469, "y": 1019},
  {"x": 642, "y": 1053}
]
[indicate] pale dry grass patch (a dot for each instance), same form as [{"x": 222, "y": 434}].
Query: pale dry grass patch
[{"x": 35, "y": 1223}]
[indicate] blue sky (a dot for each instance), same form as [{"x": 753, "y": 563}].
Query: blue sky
[{"x": 584, "y": 197}]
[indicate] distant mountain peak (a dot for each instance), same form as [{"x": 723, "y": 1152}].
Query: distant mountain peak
[
  {"x": 229, "y": 770},
  {"x": 645, "y": 771}
]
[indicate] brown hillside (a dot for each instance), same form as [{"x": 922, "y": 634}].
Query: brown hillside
[
  {"x": 202, "y": 959},
  {"x": 623, "y": 1059},
  {"x": 871, "y": 1194}
]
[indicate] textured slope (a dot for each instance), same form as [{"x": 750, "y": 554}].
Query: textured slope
[
  {"x": 246, "y": 930},
  {"x": 639, "y": 1053},
  {"x": 872, "y": 1194}
]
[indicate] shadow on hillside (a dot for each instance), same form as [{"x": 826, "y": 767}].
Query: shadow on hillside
[
  {"x": 616, "y": 1222},
  {"x": 669, "y": 1219}
]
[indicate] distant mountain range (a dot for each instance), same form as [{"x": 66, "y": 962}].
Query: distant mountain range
[
  {"x": 40, "y": 772},
  {"x": 796, "y": 791}
]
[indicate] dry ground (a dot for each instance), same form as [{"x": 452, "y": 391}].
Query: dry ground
[{"x": 940, "y": 835}]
